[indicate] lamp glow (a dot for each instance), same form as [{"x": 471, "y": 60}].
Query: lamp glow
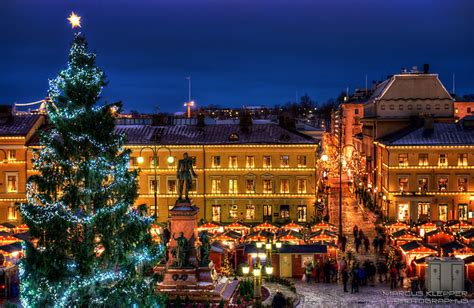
[
  {"x": 140, "y": 159},
  {"x": 278, "y": 245},
  {"x": 170, "y": 160},
  {"x": 259, "y": 244},
  {"x": 257, "y": 272},
  {"x": 269, "y": 270},
  {"x": 268, "y": 246},
  {"x": 245, "y": 269}
]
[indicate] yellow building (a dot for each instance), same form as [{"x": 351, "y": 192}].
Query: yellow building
[
  {"x": 265, "y": 174},
  {"x": 15, "y": 132},
  {"x": 427, "y": 172}
]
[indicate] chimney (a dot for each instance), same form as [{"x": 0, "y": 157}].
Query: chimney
[
  {"x": 428, "y": 123},
  {"x": 245, "y": 121},
  {"x": 426, "y": 68},
  {"x": 6, "y": 115},
  {"x": 201, "y": 120}
]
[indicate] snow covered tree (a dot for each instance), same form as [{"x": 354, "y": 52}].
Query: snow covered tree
[{"x": 92, "y": 243}]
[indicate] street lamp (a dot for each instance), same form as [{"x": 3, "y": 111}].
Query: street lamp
[
  {"x": 278, "y": 245},
  {"x": 257, "y": 278},
  {"x": 170, "y": 161}
]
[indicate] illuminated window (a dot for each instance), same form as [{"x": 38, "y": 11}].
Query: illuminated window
[
  {"x": 216, "y": 212},
  {"x": 216, "y": 186},
  {"x": 193, "y": 159},
  {"x": 462, "y": 183},
  {"x": 152, "y": 161},
  {"x": 423, "y": 184},
  {"x": 443, "y": 160},
  {"x": 267, "y": 161},
  {"x": 216, "y": 161},
  {"x": 456, "y": 110},
  {"x": 301, "y": 183},
  {"x": 302, "y": 160},
  {"x": 284, "y": 211},
  {"x": 232, "y": 161},
  {"x": 403, "y": 212},
  {"x": 356, "y": 111},
  {"x": 301, "y": 213},
  {"x": 232, "y": 186},
  {"x": 423, "y": 159},
  {"x": 133, "y": 161},
  {"x": 151, "y": 210},
  {"x": 250, "y": 212},
  {"x": 171, "y": 186},
  {"x": 462, "y": 211},
  {"x": 12, "y": 182},
  {"x": 468, "y": 109},
  {"x": 193, "y": 187},
  {"x": 462, "y": 159},
  {"x": 250, "y": 186},
  {"x": 250, "y": 161},
  {"x": 403, "y": 159},
  {"x": 151, "y": 184},
  {"x": 424, "y": 211},
  {"x": 267, "y": 186},
  {"x": 284, "y": 161},
  {"x": 13, "y": 212},
  {"x": 11, "y": 154},
  {"x": 443, "y": 212},
  {"x": 403, "y": 183},
  {"x": 443, "y": 183},
  {"x": 233, "y": 209},
  {"x": 267, "y": 211},
  {"x": 284, "y": 186}
]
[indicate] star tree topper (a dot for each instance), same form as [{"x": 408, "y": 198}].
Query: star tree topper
[{"x": 74, "y": 20}]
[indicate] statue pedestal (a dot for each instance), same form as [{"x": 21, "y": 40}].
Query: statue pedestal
[{"x": 196, "y": 282}]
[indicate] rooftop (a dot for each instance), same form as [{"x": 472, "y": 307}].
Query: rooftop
[{"x": 18, "y": 125}]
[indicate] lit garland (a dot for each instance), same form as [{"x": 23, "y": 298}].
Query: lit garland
[{"x": 92, "y": 242}]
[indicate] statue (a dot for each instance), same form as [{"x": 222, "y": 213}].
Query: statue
[
  {"x": 185, "y": 174},
  {"x": 180, "y": 252},
  {"x": 205, "y": 249}
]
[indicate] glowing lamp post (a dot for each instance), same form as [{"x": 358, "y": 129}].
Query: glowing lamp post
[{"x": 141, "y": 160}]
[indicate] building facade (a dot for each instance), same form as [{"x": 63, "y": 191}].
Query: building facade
[
  {"x": 264, "y": 174},
  {"x": 463, "y": 109},
  {"x": 427, "y": 173}
]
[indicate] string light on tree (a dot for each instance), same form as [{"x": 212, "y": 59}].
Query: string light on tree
[{"x": 74, "y": 20}]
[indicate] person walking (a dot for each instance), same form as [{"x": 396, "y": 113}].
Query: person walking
[
  {"x": 393, "y": 277},
  {"x": 375, "y": 243},
  {"x": 366, "y": 244},
  {"x": 357, "y": 242},
  {"x": 381, "y": 244},
  {"x": 355, "y": 279},
  {"x": 345, "y": 278},
  {"x": 317, "y": 269},
  {"x": 343, "y": 243},
  {"x": 309, "y": 271},
  {"x": 278, "y": 300},
  {"x": 327, "y": 271},
  {"x": 355, "y": 231},
  {"x": 402, "y": 275},
  {"x": 361, "y": 234}
]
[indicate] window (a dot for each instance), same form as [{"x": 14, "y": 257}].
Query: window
[
  {"x": 193, "y": 159},
  {"x": 301, "y": 160},
  {"x": 462, "y": 183},
  {"x": 423, "y": 184},
  {"x": 418, "y": 107},
  {"x": 301, "y": 189},
  {"x": 468, "y": 109},
  {"x": 250, "y": 212},
  {"x": 403, "y": 212},
  {"x": 428, "y": 107},
  {"x": 232, "y": 186},
  {"x": 356, "y": 111},
  {"x": 462, "y": 211},
  {"x": 267, "y": 161},
  {"x": 462, "y": 159},
  {"x": 250, "y": 162},
  {"x": 233, "y": 209},
  {"x": 423, "y": 159},
  {"x": 133, "y": 161},
  {"x": 171, "y": 186},
  {"x": 443, "y": 183},
  {"x": 267, "y": 186},
  {"x": 250, "y": 186},
  {"x": 403, "y": 159},
  {"x": 284, "y": 211},
  {"x": 12, "y": 182},
  {"x": 301, "y": 213},
  {"x": 152, "y": 184},
  {"x": 382, "y": 107},
  {"x": 284, "y": 161},
  {"x": 151, "y": 210},
  {"x": 443, "y": 160},
  {"x": 284, "y": 186},
  {"x": 152, "y": 162},
  {"x": 392, "y": 107},
  {"x": 403, "y": 183},
  {"x": 410, "y": 107},
  {"x": 267, "y": 211},
  {"x": 216, "y": 161},
  {"x": 446, "y": 106},
  {"x": 13, "y": 212},
  {"x": 193, "y": 187},
  {"x": 424, "y": 211},
  {"x": 216, "y": 212},
  {"x": 232, "y": 161},
  {"x": 216, "y": 186},
  {"x": 400, "y": 107},
  {"x": 437, "y": 107},
  {"x": 11, "y": 154},
  {"x": 443, "y": 212}
]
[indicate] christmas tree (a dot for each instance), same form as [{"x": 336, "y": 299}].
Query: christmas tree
[{"x": 92, "y": 243}]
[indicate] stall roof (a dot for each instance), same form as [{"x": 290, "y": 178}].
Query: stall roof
[
  {"x": 315, "y": 248},
  {"x": 452, "y": 246},
  {"x": 415, "y": 245},
  {"x": 11, "y": 247},
  {"x": 403, "y": 232},
  {"x": 468, "y": 233}
]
